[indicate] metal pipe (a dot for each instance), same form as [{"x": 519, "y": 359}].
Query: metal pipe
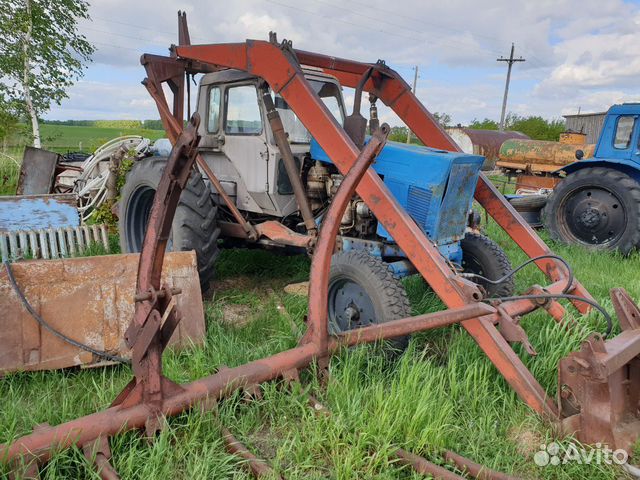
[
  {"x": 321, "y": 263},
  {"x": 407, "y": 326},
  {"x": 117, "y": 419},
  {"x": 423, "y": 466},
  {"x": 475, "y": 469},
  {"x": 280, "y": 135},
  {"x": 258, "y": 467}
]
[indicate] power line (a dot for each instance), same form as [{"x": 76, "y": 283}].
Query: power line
[
  {"x": 510, "y": 61},
  {"x": 377, "y": 19},
  {"x": 524, "y": 47},
  {"x": 369, "y": 28}
]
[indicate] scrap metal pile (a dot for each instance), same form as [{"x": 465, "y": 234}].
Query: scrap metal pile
[
  {"x": 597, "y": 386},
  {"x": 57, "y": 196}
]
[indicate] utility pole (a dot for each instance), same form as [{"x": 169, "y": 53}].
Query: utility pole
[
  {"x": 415, "y": 81},
  {"x": 510, "y": 61}
]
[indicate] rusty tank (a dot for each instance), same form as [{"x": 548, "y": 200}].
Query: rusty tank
[
  {"x": 483, "y": 142},
  {"x": 539, "y": 156}
]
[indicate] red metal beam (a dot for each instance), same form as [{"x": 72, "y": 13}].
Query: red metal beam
[
  {"x": 394, "y": 92},
  {"x": 280, "y": 68}
]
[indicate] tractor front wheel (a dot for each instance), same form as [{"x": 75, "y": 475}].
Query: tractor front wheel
[
  {"x": 482, "y": 256},
  {"x": 194, "y": 225},
  {"x": 363, "y": 291},
  {"x": 597, "y": 208}
]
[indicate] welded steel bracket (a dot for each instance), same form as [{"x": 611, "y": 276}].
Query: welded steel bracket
[{"x": 599, "y": 386}]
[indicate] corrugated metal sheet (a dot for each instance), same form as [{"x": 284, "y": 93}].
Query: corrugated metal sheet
[
  {"x": 588, "y": 123},
  {"x": 482, "y": 142}
]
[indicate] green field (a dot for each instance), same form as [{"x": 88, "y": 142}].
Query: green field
[
  {"x": 64, "y": 138},
  {"x": 442, "y": 393},
  {"x": 60, "y": 139}
]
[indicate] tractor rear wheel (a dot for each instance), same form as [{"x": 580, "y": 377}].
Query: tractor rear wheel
[
  {"x": 194, "y": 224},
  {"x": 363, "y": 291},
  {"x": 482, "y": 256},
  {"x": 597, "y": 208}
]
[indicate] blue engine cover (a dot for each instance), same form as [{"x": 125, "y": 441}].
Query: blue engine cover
[{"x": 436, "y": 188}]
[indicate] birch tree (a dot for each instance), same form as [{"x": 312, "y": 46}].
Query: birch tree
[{"x": 41, "y": 53}]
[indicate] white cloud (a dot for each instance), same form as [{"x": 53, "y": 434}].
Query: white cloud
[{"x": 579, "y": 52}]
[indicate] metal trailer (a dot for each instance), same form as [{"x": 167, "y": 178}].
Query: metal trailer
[{"x": 598, "y": 386}]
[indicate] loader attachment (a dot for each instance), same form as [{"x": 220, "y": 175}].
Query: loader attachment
[{"x": 599, "y": 385}]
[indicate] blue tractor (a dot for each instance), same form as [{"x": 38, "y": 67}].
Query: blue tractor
[
  {"x": 597, "y": 203},
  {"x": 294, "y": 189}
]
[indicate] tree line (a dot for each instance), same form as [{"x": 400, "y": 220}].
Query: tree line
[
  {"x": 534, "y": 126},
  {"x": 125, "y": 124}
]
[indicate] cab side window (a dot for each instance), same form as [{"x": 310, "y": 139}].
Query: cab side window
[
  {"x": 243, "y": 112},
  {"x": 213, "y": 118},
  {"x": 624, "y": 131}
]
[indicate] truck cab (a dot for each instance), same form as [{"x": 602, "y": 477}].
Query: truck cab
[
  {"x": 597, "y": 203},
  {"x": 619, "y": 142}
]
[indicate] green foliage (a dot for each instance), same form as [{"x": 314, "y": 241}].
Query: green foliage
[
  {"x": 118, "y": 124},
  {"x": 444, "y": 119},
  {"x": 153, "y": 124},
  {"x": 486, "y": 124},
  {"x": 104, "y": 213},
  {"x": 67, "y": 138},
  {"x": 9, "y": 171},
  {"x": 535, "y": 127},
  {"x": 124, "y": 124},
  {"x": 398, "y": 134},
  {"x": 41, "y": 44}
]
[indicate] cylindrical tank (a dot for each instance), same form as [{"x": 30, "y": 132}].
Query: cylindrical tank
[
  {"x": 539, "y": 155},
  {"x": 482, "y": 142}
]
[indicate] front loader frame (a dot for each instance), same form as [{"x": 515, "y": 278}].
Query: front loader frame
[
  {"x": 279, "y": 65},
  {"x": 150, "y": 396}
]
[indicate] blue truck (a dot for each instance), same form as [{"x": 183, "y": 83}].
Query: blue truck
[{"x": 597, "y": 202}]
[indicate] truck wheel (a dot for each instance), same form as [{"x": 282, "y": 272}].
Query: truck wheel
[
  {"x": 194, "y": 225},
  {"x": 483, "y": 256},
  {"x": 595, "y": 207},
  {"x": 363, "y": 291}
]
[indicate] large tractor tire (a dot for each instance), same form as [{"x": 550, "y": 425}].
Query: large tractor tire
[
  {"x": 596, "y": 207},
  {"x": 194, "y": 225},
  {"x": 363, "y": 291},
  {"x": 482, "y": 256}
]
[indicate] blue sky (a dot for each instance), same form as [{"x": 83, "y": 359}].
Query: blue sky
[{"x": 580, "y": 54}]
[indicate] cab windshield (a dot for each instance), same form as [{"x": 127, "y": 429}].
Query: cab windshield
[{"x": 330, "y": 95}]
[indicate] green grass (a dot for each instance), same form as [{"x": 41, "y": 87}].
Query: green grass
[{"x": 442, "y": 393}]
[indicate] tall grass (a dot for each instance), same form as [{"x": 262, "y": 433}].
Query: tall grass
[{"x": 442, "y": 393}]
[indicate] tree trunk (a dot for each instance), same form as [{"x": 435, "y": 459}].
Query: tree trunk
[{"x": 35, "y": 126}]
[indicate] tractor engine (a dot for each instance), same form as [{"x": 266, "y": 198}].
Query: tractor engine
[{"x": 358, "y": 220}]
